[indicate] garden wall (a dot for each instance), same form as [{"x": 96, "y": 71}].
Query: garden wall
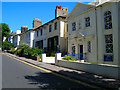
[
  {"x": 110, "y": 71},
  {"x": 47, "y": 59}
]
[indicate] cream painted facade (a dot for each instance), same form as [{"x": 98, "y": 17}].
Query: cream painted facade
[
  {"x": 16, "y": 39},
  {"x": 95, "y": 33},
  {"x": 27, "y": 37},
  {"x": 60, "y": 33}
]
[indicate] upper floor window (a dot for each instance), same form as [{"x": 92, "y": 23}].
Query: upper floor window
[
  {"x": 41, "y": 31},
  {"x": 73, "y": 26},
  {"x": 55, "y": 25},
  {"x": 109, "y": 43},
  {"x": 87, "y": 22},
  {"x": 67, "y": 27},
  {"x": 89, "y": 46},
  {"x": 108, "y": 20},
  {"x": 37, "y": 33},
  {"x": 79, "y": 25},
  {"x": 50, "y": 28}
]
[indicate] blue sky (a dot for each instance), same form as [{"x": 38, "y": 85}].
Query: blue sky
[{"x": 16, "y": 14}]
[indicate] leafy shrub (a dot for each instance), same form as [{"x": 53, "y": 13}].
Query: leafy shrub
[
  {"x": 20, "y": 51},
  {"x": 25, "y": 48},
  {"x": 13, "y": 50},
  {"x": 68, "y": 58},
  {"x": 6, "y": 45},
  {"x": 37, "y": 51},
  {"x": 30, "y": 51}
]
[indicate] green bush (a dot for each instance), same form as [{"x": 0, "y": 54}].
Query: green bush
[
  {"x": 30, "y": 51},
  {"x": 20, "y": 51},
  {"x": 6, "y": 45},
  {"x": 68, "y": 58},
  {"x": 37, "y": 51},
  {"x": 13, "y": 50},
  {"x": 25, "y": 48}
]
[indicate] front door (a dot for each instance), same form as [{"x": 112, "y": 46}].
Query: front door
[{"x": 81, "y": 52}]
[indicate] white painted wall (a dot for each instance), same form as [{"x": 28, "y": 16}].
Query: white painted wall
[
  {"x": 47, "y": 59},
  {"x": 83, "y": 35},
  {"x": 31, "y": 38},
  {"x": 95, "y": 33},
  {"x": 62, "y": 28},
  {"x": 104, "y": 70},
  {"x": 18, "y": 31},
  {"x": 16, "y": 41}
]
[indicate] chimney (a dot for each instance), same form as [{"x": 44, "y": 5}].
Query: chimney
[
  {"x": 24, "y": 28},
  {"x": 60, "y": 12},
  {"x": 58, "y": 7},
  {"x": 36, "y": 22}
]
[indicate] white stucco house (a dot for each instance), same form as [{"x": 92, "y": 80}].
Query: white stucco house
[
  {"x": 52, "y": 36},
  {"x": 16, "y": 38},
  {"x": 93, "y": 31},
  {"x": 27, "y": 37}
]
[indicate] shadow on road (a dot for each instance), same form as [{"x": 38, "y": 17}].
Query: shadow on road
[{"x": 48, "y": 80}]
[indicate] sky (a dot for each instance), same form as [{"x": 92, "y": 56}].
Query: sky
[{"x": 16, "y": 14}]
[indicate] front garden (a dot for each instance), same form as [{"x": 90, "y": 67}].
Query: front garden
[
  {"x": 25, "y": 51},
  {"x": 70, "y": 58}
]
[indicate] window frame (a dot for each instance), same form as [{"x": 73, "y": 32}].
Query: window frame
[
  {"x": 55, "y": 25},
  {"x": 37, "y": 33},
  {"x": 41, "y": 32},
  {"x": 50, "y": 28},
  {"x": 79, "y": 25},
  {"x": 108, "y": 52},
  {"x": 89, "y": 46},
  {"x": 87, "y": 21},
  {"x": 107, "y": 20},
  {"x": 73, "y": 52},
  {"x": 73, "y": 27}
]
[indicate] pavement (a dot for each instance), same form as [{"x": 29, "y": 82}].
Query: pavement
[{"x": 91, "y": 79}]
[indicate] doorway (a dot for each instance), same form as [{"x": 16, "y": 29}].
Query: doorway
[{"x": 81, "y": 52}]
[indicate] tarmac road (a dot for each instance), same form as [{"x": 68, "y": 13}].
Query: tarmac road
[{"x": 16, "y": 74}]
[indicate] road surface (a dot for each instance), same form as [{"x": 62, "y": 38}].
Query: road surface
[{"x": 16, "y": 74}]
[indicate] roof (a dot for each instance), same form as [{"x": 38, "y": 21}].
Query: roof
[
  {"x": 64, "y": 17},
  {"x": 77, "y": 4},
  {"x": 16, "y": 34}
]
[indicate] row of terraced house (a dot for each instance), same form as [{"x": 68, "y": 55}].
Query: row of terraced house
[{"x": 90, "y": 30}]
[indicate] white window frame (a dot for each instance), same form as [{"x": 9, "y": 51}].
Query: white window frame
[
  {"x": 107, "y": 20},
  {"x": 106, "y": 52}
]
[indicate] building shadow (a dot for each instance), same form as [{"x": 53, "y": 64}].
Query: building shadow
[{"x": 49, "y": 80}]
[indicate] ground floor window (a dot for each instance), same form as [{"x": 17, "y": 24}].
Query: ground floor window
[
  {"x": 89, "y": 46},
  {"x": 109, "y": 43},
  {"x": 73, "y": 50}
]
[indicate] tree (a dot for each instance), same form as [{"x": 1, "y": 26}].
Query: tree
[{"x": 4, "y": 30}]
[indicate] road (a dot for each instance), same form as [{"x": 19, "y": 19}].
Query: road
[{"x": 16, "y": 74}]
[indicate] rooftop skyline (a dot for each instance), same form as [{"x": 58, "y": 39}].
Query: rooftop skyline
[{"x": 16, "y": 14}]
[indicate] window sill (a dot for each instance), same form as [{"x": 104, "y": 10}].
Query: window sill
[
  {"x": 107, "y": 30},
  {"x": 108, "y": 53},
  {"x": 87, "y": 27}
]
